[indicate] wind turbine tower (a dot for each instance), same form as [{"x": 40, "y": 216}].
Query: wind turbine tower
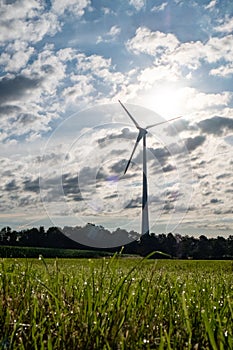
[{"x": 145, "y": 228}]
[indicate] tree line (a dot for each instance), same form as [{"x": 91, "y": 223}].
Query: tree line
[{"x": 174, "y": 245}]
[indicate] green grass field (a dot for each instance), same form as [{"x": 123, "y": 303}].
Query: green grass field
[{"x": 116, "y": 303}]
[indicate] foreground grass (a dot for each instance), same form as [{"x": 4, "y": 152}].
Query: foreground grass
[{"x": 115, "y": 303}]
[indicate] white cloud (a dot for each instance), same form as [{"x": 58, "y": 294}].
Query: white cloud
[
  {"x": 152, "y": 43},
  {"x": 114, "y": 31},
  {"x": 49, "y": 69},
  {"x": 19, "y": 9},
  {"x": 30, "y": 21},
  {"x": 94, "y": 78},
  {"x": 187, "y": 54},
  {"x": 219, "y": 48},
  {"x": 226, "y": 26},
  {"x": 80, "y": 90},
  {"x": 66, "y": 54},
  {"x": 191, "y": 54},
  {"x": 138, "y": 4},
  {"x": 211, "y": 5},
  {"x": 167, "y": 49},
  {"x": 99, "y": 67},
  {"x": 16, "y": 56},
  {"x": 196, "y": 100},
  {"x": 107, "y": 10},
  {"x": 159, "y": 7},
  {"x": 27, "y": 21},
  {"x": 110, "y": 36},
  {"x": 72, "y": 6},
  {"x": 150, "y": 76},
  {"x": 223, "y": 71},
  {"x": 94, "y": 63}
]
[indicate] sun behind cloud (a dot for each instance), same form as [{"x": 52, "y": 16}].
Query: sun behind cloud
[{"x": 167, "y": 101}]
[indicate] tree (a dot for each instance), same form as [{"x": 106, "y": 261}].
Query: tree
[
  {"x": 171, "y": 245},
  {"x": 230, "y": 246},
  {"x": 5, "y": 235},
  {"x": 204, "y": 250},
  {"x": 219, "y": 247}
]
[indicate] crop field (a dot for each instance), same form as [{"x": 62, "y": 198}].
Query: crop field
[{"x": 115, "y": 303}]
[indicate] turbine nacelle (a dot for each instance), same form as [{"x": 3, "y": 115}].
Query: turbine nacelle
[{"x": 142, "y": 131}]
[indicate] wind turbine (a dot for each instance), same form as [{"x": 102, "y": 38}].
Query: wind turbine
[{"x": 142, "y": 135}]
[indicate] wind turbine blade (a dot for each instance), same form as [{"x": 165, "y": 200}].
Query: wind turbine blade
[
  {"x": 131, "y": 117},
  {"x": 166, "y": 121},
  {"x": 129, "y": 161}
]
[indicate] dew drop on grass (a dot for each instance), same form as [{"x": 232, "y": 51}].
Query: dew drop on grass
[{"x": 145, "y": 341}]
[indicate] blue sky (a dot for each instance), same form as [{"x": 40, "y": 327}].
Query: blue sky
[{"x": 65, "y": 139}]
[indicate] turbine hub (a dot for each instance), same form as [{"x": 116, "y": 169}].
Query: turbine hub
[{"x": 141, "y": 134}]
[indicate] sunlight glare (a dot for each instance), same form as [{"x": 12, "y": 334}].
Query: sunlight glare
[{"x": 168, "y": 102}]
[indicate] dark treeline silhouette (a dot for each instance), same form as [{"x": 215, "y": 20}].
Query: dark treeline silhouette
[{"x": 92, "y": 236}]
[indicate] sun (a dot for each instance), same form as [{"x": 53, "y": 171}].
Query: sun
[{"x": 167, "y": 101}]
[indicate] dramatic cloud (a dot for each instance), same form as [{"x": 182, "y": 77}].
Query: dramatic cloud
[
  {"x": 216, "y": 125},
  {"x": 11, "y": 186},
  {"x": 32, "y": 185},
  {"x": 178, "y": 126},
  {"x": 125, "y": 133},
  {"x": 160, "y": 155},
  {"x": 119, "y": 167},
  {"x": 16, "y": 88},
  {"x": 134, "y": 203},
  {"x": 65, "y": 140},
  {"x": 193, "y": 143},
  {"x": 168, "y": 167}
]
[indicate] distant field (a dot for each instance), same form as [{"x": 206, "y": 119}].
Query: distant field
[
  {"x": 33, "y": 252},
  {"x": 115, "y": 303}
]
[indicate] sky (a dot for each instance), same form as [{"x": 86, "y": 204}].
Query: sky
[{"x": 65, "y": 139}]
